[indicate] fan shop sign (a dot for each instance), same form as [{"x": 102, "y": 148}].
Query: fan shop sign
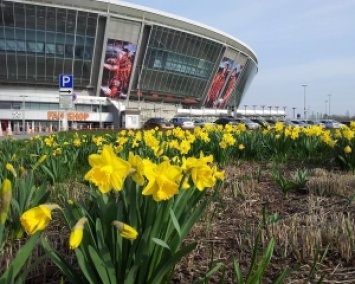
[{"x": 71, "y": 116}]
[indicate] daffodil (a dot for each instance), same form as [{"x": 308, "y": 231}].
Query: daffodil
[
  {"x": 137, "y": 164},
  {"x": 347, "y": 149},
  {"x": 76, "y": 235},
  {"x": 11, "y": 169},
  {"x": 108, "y": 171},
  {"x": 5, "y": 199},
  {"x": 163, "y": 180},
  {"x": 125, "y": 230},
  {"x": 37, "y": 218}
]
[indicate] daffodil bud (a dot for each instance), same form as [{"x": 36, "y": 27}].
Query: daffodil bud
[
  {"x": 125, "y": 230},
  {"x": 76, "y": 235},
  {"x": 5, "y": 200},
  {"x": 11, "y": 169}
]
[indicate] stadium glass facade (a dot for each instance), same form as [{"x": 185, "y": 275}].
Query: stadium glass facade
[{"x": 122, "y": 52}]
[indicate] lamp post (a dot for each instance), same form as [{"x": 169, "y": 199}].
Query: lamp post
[
  {"x": 284, "y": 107},
  {"x": 277, "y": 110},
  {"x": 263, "y": 107},
  {"x": 245, "y": 109},
  {"x": 270, "y": 110},
  {"x": 329, "y": 105},
  {"x": 294, "y": 112},
  {"x": 24, "y": 113},
  {"x": 254, "y": 107},
  {"x": 326, "y": 109},
  {"x": 304, "y": 102}
]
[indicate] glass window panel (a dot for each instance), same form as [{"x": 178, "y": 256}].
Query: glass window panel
[
  {"x": 30, "y": 17},
  {"x": 60, "y": 49},
  {"x": 20, "y": 15},
  {"x": 9, "y": 33},
  {"x": 31, "y": 67},
  {"x": 8, "y": 14},
  {"x": 68, "y": 51},
  {"x": 11, "y": 66},
  {"x": 22, "y": 69},
  {"x": 78, "y": 70},
  {"x": 21, "y": 46},
  {"x": 50, "y": 67},
  {"x": 50, "y": 49},
  {"x": 81, "y": 23},
  {"x": 61, "y": 20},
  {"x": 58, "y": 66},
  {"x": 41, "y": 68},
  {"x": 68, "y": 66},
  {"x": 71, "y": 21},
  {"x": 11, "y": 45},
  {"x": 51, "y": 21},
  {"x": 41, "y": 17},
  {"x": 2, "y": 44}
]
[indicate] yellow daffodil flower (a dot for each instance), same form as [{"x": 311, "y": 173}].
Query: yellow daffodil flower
[
  {"x": 125, "y": 230},
  {"x": 163, "y": 180},
  {"x": 347, "y": 149},
  {"x": 5, "y": 199},
  {"x": 138, "y": 166},
  {"x": 37, "y": 218},
  {"x": 76, "y": 235},
  {"x": 108, "y": 171}
]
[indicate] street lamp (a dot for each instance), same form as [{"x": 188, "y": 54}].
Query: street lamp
[
  {"x": 263, "y": 107},
  {"x": 304, "y": 102},
  {"x": 284, "y": 111},
  {"x": 294, "y": 112},
  {"x": 326, "y": 109},
  {"x": 329, "y": 105},
  {"x": 277, "y": 110},
  {"x": 245, "y": 109},
  {"x": 254, "y": 107},
  {"x": 23, "y": 112},
  {"x": 270, "y": 109}
]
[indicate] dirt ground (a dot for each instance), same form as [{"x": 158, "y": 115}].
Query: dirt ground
[{"x": 313, "y": 227}]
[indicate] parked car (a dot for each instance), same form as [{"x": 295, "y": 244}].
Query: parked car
[
  {"x": 226, "y": 120},
  {"x": 261, "y": 121},
  {"x": 248, "y": 123},
  {"x": 313, "y": 122},
  {"x": 332, "y": 124},
  {"x": 202, "y": 122},
  {"x": 300, "y": 123},
  {"x": 157, "y": 122},
  {"x": 183, "y": 122}
]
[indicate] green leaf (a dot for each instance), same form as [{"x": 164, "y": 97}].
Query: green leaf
[
  {"x": 86, "y": 268},
  {"x": 165, "y": 267},
  {"x": 161, "y": 243},
  {"x": 99, "y": 265},
  {"x": 61, "y": 263},
  {"x": 175, "y": 222},
  {"x": 105, "y": 253},
  {"x": 21, "y": 258}
]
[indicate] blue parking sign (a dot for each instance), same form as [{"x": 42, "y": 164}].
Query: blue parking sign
[{"x": 66, "y": 81}]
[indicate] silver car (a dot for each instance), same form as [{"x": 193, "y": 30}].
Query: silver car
[
  {"x": 248, "y": 123},
  {"x": 332, "y": 124}
]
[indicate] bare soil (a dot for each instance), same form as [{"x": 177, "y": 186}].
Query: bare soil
[{"x": 309, "y": 223}]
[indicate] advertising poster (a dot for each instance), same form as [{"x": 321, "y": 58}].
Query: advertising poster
[
  {"x": 218, "y": 82},
  {"x": 227, "y": 93},
  {"x": 119, "y": 58}
]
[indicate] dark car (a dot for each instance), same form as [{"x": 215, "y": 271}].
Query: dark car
[
  {"x": 226, "y": 120},
  {"x": 157, "y": 122}
]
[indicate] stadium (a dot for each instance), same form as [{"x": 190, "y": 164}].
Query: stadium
[{"x": 84, "y": 63}]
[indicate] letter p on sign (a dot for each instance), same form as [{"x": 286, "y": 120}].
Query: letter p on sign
[{"x": 66, "y": 81}]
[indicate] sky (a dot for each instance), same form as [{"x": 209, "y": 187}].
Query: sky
[{"x": 303, "y": 42}]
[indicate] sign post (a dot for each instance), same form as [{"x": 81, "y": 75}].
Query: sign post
[{"x": 66, "y": 85}]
